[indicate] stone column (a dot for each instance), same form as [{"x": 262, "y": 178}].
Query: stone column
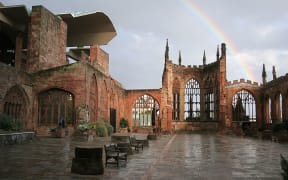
[{"x": 18, "y": 50}]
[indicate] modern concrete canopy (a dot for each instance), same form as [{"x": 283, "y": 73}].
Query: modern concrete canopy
[
  {"x": 13, "y": 20},
  {"x": 88, "y": 29},
  {"x": 14, "y": 16}
]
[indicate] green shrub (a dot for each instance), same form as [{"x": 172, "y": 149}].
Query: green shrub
[
  {"x": 92, "y": 126},
  {"x": 109, "y": 128},
  {"x": 17, "y": 126},
  {"x": 8, "y": 123},
  {"x": 123, "y": 123},
  {"x": 101, "y": 129}
]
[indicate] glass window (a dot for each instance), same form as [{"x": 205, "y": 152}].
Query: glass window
[{"x": 192, "y": 100}]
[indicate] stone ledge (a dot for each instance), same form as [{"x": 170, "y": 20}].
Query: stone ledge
[{"x": 16, "y": 138}]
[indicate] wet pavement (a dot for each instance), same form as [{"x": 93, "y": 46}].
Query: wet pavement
[{"x": 179, "y": 156}]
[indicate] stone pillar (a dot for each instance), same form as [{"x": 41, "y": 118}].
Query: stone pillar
[
  {"x": 181, "y": 105},
  {"x": 18, "y": 50}
]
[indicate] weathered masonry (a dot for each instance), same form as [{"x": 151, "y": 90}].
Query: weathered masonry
[{"x": 41, "y": 83}]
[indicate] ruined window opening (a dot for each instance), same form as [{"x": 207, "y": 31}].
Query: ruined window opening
[
  {"x": 192, "y": 100},
  {"x": 280, "y": 107},
  {"x": 244, "y": 106},
  {"x": 145, "y": 111},
  {"x": 209, "y": 105},
  {"x": 269, "y": 111},
  {"x": 268, "y": 116},
  {"x": 176, "y": 106},
  {"x": 55, "y": 105}
]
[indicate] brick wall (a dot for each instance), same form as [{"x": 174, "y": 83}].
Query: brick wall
[
  {"x": 47, "y": 40},
  {"x": 99, "y": 57}
]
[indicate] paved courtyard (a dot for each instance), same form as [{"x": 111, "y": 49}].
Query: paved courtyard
[{"x": 179, "y": 156}]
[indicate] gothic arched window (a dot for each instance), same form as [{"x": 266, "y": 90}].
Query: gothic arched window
[
  {"x": 15, "y": 103},
  {"x": 209, "y": 105},
  {"x": 267, "y": 106},
  {"x": 145, "y": 111},
  {"x": 176, "y": 100},
  {"x": 192, "y": 100},
  {"x": 244, "y": 106},
  {"x": 55, "y": 105},
  {"x": 279, "y": 107}
]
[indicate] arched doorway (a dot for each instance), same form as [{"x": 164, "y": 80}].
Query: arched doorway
[
  {"x": 145, "y": 111},
  {"x": 176, "y": 100},
  {"x": 55, "y": 105}
]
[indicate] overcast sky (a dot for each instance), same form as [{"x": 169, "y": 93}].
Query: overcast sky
[{"x": 255, "y": 32}]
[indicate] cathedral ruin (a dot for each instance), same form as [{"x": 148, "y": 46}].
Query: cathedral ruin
[{"x": 41, "y": 83}]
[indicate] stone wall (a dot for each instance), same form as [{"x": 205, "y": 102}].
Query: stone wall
[
  {"x": 212, "y": 126},
  {"x": 99, "y": 57},
  {"x": 94, "y": 93},
  {"x": 46, "y": 40}
]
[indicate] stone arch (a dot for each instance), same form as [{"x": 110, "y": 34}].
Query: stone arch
[
  {"x": 278, "y": 106},
  {"x": 194, "y": 78},
  {"x": 16, "y": 104},
  {"x": 55, "y": 104},
  {"x": 93, "y": 98},
  {"x": 121, "y": 106},
  {"x": 112, "y": 98},
  {"x": 267, "y": 109},
  {"x": 145, "y": 111},
  {"x": 192, "y": 96},
  {"x": 244, "y": 106},
  {"x": 209, "y": 98},
  {"x": 137, "y": 95},
  {"x": 105, "y": 98},
  {"x": 116, "y": 105}
]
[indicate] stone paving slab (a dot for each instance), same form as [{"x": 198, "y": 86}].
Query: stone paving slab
[{"x": 180, "y": 156}]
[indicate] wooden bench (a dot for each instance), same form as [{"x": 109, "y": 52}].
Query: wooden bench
[
  {"x": 113, "y": 155},
  {"x": 136, "y": 144}
]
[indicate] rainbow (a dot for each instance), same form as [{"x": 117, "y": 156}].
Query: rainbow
[{"x": 220, "y": 35}]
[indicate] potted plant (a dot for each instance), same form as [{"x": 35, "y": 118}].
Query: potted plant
[{"x": 124, "y": 126}]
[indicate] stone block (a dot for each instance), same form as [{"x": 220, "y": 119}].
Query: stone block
[{"x": 88, "y": 161}]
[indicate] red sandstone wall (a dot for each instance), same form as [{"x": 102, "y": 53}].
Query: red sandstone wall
[
  {"x": 46, "y": 40},
  {"x": 92, "y": 90},
  {"x": 100, "y": 57},
  {"x": 11, "y": 77}
]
